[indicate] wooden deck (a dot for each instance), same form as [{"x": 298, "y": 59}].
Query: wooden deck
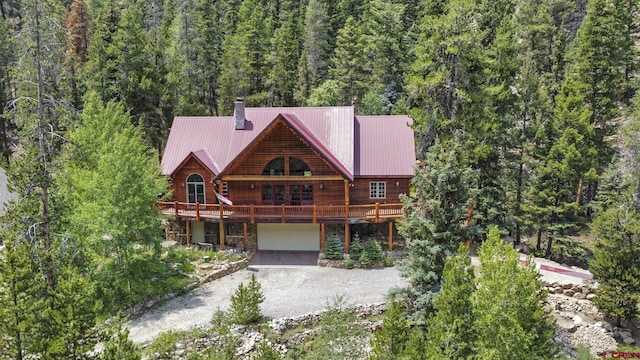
[{"x": 282, "y": 213}]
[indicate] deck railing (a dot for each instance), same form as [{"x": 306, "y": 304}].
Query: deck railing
[{"x": 282, "y": 213}]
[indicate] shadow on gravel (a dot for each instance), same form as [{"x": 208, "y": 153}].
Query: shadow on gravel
[{"x": 276, "y": 257}]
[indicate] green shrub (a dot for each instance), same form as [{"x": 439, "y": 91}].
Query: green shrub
[
  {"x": 356, "y": 249},
  {"x": 164, "y": 343},
  {"x": 187, "y": 268},
  {"x": 349, "y": 264},
  {"x": 266, "y": 352},
  {"x": 388, "y": 262},
  {"x": 334, "y": 249},
  {"x": 245, "y": 303}
]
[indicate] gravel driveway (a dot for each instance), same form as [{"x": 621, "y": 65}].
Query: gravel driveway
[{"x": 289, "y": 291}]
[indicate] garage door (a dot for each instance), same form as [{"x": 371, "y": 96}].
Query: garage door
[{"x": 300, "y": 237}]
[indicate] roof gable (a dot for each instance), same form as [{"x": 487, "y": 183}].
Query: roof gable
[
  {"x": 308, "y": 137},
  {"x": 202, "y": 158}
]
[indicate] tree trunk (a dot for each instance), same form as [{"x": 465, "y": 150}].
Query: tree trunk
[
  {"x": 578, "y": 197},
  {"x": 547, "y": 254},
  {"x": 539, "y": 244},
  {"x": 43, "y": 154}
]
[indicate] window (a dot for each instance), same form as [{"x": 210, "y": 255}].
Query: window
[
  {"x": 377, "y": 190},
  {"x": 195, "y": 189},
  {"x": 225, "y": 188},
  {"x": 274, "y": 168},
  {"x": 298, "y": 167},
  {"x": 301, "y": 194},
  {"x": 272, "y": 194}
]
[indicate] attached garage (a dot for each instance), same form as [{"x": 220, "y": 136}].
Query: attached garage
[{"x": 293, "y": 237}]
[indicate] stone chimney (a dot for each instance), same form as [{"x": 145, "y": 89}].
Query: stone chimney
[{"x": 239, "y": 113}]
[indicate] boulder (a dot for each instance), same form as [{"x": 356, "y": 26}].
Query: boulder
[{"x": 568, "y": 292}]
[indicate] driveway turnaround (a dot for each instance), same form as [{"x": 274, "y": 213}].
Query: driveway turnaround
[{"x": 288, "y": 291}]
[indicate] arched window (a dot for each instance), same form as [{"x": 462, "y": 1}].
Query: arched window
[
  {"x": 195, "y": 189},
  {"x": 274, "y": 168},
  {"x": 298, "y": 167}
]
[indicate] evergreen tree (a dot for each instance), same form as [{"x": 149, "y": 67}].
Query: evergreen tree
[
  {"x": 390, "y": 340},
  {"x": 347, "y": 66},
  {"x": 78, "y": 24},
  {"x": 334, "y": 249},
  {"x": 436, "y": 221},
  {"x": 509, "y": 319},
  {"x": 615, "y": 264},
  {"x": 245, "y": 303},
  {"x": 451, "y": 325},
  {"x": 5, "y": 86},
  {"x": 283, "y": 60},
  {"x": 195, "y": 50},
  {"x": 244, "y": 59},
  {"x": 314, "y": 62},
  {"x": 384, "y": 50},
  {"x": 20, "y": 297}
]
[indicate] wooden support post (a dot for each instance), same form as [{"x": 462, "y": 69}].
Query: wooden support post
[
  {"x": 188, "y": 233},
  {"x": 221, "y": 228},
  {"x": 377, "y": 212},
  {"x": 282, "y": 211},
  {"x": 252, "y": 211},
  {"x": 221, "y": 224},
  {"x": 244, "y": 232},
  {"x": 197, "y": 211},
  {"x": 175, "y": 207},
  {"x": 322, "y": 238},
  {"x": 346, "y": 200},
  {"x": 390, "y": 236},
  {"x": 346, "y": 237},
  {"x": 315, "y": 213}
]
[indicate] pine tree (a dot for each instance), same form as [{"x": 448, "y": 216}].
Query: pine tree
[
  {"x": 391, "y": 339},
  {"x": 347, "y": 65},
  {"x": 244, "y": 59},
  {"x": 509, "y": 319},
  {"x": 615, "y": 264},
  {"x": 245, "y": 303},
  {"x": 195, "y": 51},
  {"x": 450, "y": 333},
  {"x": 314, "y": 62},
  {"x": 283, "y": 60},
  {"x": 436, "y": 221},
  {"x": 334, "y": 249},
  {"x": 20, "y": 297},
  {"x": 384, "y": 49},
  {"x": 5, "y": 86}
]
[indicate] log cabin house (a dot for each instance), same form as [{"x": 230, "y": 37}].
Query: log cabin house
[{"x": 287, "y": 178}]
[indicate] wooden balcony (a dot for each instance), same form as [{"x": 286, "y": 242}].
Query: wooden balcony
[{"x": 282, "y": 213}]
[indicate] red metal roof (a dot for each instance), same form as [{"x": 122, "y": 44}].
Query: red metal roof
[
  {"x": 384, "y": 145},
  {"x": 347, "y": 142}
]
